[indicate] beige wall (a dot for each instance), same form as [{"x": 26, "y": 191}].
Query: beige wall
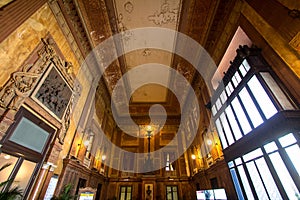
[{"x": 16, "y": 48}]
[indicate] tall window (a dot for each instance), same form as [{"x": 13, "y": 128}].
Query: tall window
[
  {"x": 172, "y": 192},
  {"x": 259, "y": 127},
  {"x": 24, "y": 148},
  {"x": 169, "y": 158},
  {"x": 125, "y": 193},
  {"x": 265, "y": 172}
]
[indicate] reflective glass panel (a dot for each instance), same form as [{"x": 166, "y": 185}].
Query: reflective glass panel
[
  {"x": 267, "y": 179},
  {"x": 226, "y": 129},
  {"x": 284, "y": 176},
  {"x": 235, "y": 128},
  {"x": 241, "y": 116},
  {"x": 251, "y": 108},
  {"x": 262, "y": 97},
  {"x": 258, "y": 185},
  {"x": 245, "y": 182}
]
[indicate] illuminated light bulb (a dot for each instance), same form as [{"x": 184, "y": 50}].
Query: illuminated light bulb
[
  {"x": 86, "y": 143},
  {"x": 103, "y": 157},
  {"x": 209, "y": 142},
  {"x": 7, "y": 157},
  {"x": 149, "y": 128},
  {"x": 193, "y": 156}
]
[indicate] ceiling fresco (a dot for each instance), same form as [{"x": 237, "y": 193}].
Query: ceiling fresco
[{"x": 195, "y": 18}]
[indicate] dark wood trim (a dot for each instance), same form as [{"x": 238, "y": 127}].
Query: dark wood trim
[
  {"x": 286, "y": 75},
  {"x": 16, "y": 13},
  {"x": 280, "y": 123},
  {"x": 18, "y": 150}
]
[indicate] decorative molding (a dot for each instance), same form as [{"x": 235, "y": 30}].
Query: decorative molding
[
  {"x": 23, "y": 82},
  {"x": 166, "y": 15},
  {"x": 18, "y": 88},
  {"x": 128, "y": 7},
  {"x": 295, "y": 42},
  {"x": 294, "y": 13},
  {"x": 69, "y": 22}
]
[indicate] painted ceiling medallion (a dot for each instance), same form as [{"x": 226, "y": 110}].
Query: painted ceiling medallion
[{"x": 128, "y": 6}]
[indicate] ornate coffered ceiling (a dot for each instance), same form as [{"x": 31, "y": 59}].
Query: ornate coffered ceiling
[{"x": 195, "y": 18}]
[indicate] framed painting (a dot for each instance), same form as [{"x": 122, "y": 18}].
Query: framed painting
[{"x": 53, "y": 93}]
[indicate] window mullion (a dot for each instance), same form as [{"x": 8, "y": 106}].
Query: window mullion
[
  {"x": 249, "y": 179},
  {"x": 256, "y": 103},
  {"x": 236, "y": 119},
  {"x": 231, "y": 130},
  {"x": 271, "y": 96},
  {"x": 13, "y": 174},
  {"x": 225, "y": 135},
  {"x": 274, "y": 175},
  {"x": 289, "y": 165},
  {"x": 245, "y": 111},
  {"x": 261, "y": 178},
  {"x": 240, "y": 182}
]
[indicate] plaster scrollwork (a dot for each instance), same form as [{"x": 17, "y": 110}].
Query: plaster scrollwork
[
  {"x": 166, "y": 15},
  {"x": 18, "y": 88},
  {"x": 66, "y": 122},
  {"x": 128, "y": 7},
  {"x": 22, "y": 83}
]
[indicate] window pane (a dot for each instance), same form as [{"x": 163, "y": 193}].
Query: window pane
[
  {"x": 258, "y": 185},
  {"x": 262, "y": 98},
  {"x": 221, "y": 134},
  {"x": 227, "y": 129},
  {"x": 294, "y": 152},
  {"x": 24, "y": 174},
  {"x": 214, "y": 110},
  {"x": 287, "y": 140},
  {"x": 250, "y": 107},
  {"x": 122, "y": 196},
  {"x": 270, "y": 147},
  {"x": 236, "y": 184},
  {"x": 218, "y": 104},
  {"x": 230, "y": 164},
  {"x": 229, "y": 89},
  {"x": 253, "y": 154},
  {"x": 6, "y": 159},
  {"x": 26, "y": 131},
  {"x": 278, "y": 93},
  {"x": 128, "y": 195},
  {"x": 268, "y": 179},
  {"x": 284, "y": 175},
  {"x": 175, "y": 197},
  {"x": 236, "y": 79},
  {"x": 235, "y": 128},
  {"x": 242, "y": 70},
  {"x": 246, "y": 65},
  {"x": 223, "y": 97},
  {"x": 241, "y": 116},
  {"x": 51, "y": 188},
  {"x": 245, "y": 182},
  {"x": 238, "y": 161}
]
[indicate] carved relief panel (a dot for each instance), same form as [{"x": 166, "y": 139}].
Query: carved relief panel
[{"x": 45, "y": 78}]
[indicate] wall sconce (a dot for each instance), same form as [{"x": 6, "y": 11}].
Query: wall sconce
[
  {"x": 209, "y": 142},
  {"x": 193, "y": 149},
  {"x": 193, "y": 156},
  {"x": 86, "y": 143}
]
